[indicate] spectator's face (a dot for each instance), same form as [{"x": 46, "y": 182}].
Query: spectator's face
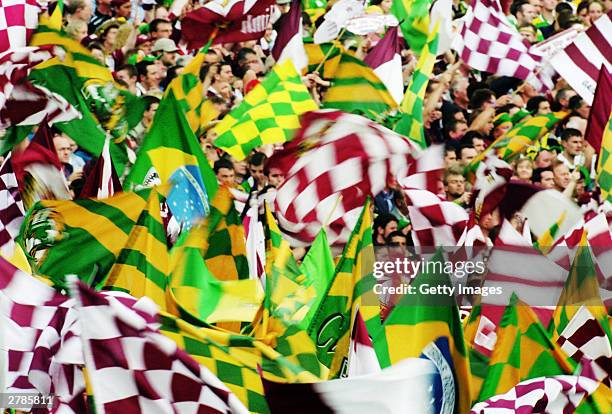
[
  {"x": 252, "y": 62},
  {"x": 584, "y": 110},
  {"x": 169, "y": 58},
  {"x": 450, "y": 158},
  {"x": 526, "y": 14},
  {"x": 124, "y": 76},
  {"x": 225, "y": 176},
  {"x": 537, "y": 5},
  {"x": 111, "y": 36},
  {"x": 84, "y": 13},
  {"x": 490, "y": 220},
  {"x": 398, "y": 241},
  {"x": 240, "y": 167},
  {"x": 467, "y": 155},
  {"x": 547, "y": 179},
  {"x": 256, "y": 172},
  {"x": 549, "y": 5},
  {"x": 544, "y": 159},
  {"x": 573, "y": 145},
  {"x": 459, "y": 131},
  {"x": 524, "y": 170},
  {"x": 595, "y": 12},
  {"x": 528, "y": 34},
  {"x": 390, "y": 228},
  {"x": 146, "y": 47},
  {"x": 62, "y": 147},
  {"x": 154, "y": 76},
  {"x": 81, "y": 33},
  {"x": 565, "y": 101},
  {"x": 455, "y": 185},
  {"x": 479, "y": 144},
  {"x": 125, "y": 10},
  {"x": 226, "y": 74},
  {"x": 275, "y": 177},
  {"x": 584, "y": 16},
  {"x": 164, "y": 31},
  {"x": 501, "y": 129},
  {"x": 225, "y": 90},
  {"x": 386, "y": 6},
  {"x": 460, "y": 116},
  {"x": 150, "y": 113},
  {"x": 543, "y": 108},
  {"x": 212, "y": 58},
  {"x": 561, "y": 176}
]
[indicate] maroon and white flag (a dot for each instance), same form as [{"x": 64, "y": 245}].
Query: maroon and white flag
[
  {"x": 580, "y": 62},
  {"x": 102, "y": 181},
  {"x": 226, "y": 21},
  {"x": 18, "y": 20},
  {"x": 385, "y": 60},
  {"x": 289, "y": 43},
  {"x": 490, "y": 43},
  {"x": 362, "y": 359},
  {"x": 331, "y": 166},
  {"x": 11, "y": 208}
]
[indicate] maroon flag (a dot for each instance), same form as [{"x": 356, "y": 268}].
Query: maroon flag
[
  {"x": 289, "y": 43},
  {"x": 386, "y": 62},
  {"x": 18, "y": 20},
  {"x": 102, "y": 181},
  {"x": 600, "y": 110},
  {"x": 226, "y": 22}
]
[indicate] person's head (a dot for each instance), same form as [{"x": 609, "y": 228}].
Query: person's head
[
  {"x": 78, "y": 10},
  {"x": 475, "y": 140},
  {"x": 151, "y": 105},
  {"x": 561, "y": 175},
  {"x": 248, "y": 60},
  {"x": 466, "y": 154},
  {"x": 571, "y": 140},
  {"x": 274, "y": 176},
  {"x": 454, "y": 182},
  {"x": 537, "y": 4},
  {"x": 122, "y": 8},
  {"x": 482, "y": 99},
  {"x": 97, "y": 51},
  {"x": 544, "y": 159},
  {"x": 224, "y": 170},
  {"x": 224, "y": 73},
  {"x": 256, "y": 167},
  {"x": 77, "y": 29},
  {"x": 529, "y": 32},
  {"x": 577, "y": 122},
  {"x": 162, "y": 13},
  {"x": 212, "y": 57},
  {"x": 458, "y": 90},
  {"x": 62, "y": 147},
  {"x": 523, "y": 11},
  {"x": 549, "y": 5},
  {"x": 501, "y": 125},
  {"x": 384, "y": 225},
  {"x": 538, "y": 105},
  {"x": 563, "y": 97},
  {"x": 457, "y": 129},
  {"x": 544, "y": 177},
  {"x": 108, "y": 36},
  {"x": 240, "y": 167},
  {"x": 166, "y": 50},
  {"x": 450, "y": 156},
  {"x": 128, "y": 74},
  {"x": 397, "y": 238},
  {"x": 524, "y": 169},
  {"x": 578, "y": 106},
  {"x": 596, "y": 9},
  {"x": 149, "y": 74},
  {"x": 160, "y": 29}
]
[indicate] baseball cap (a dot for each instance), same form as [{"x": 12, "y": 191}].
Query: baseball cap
[{"x": 165, "y": 45}]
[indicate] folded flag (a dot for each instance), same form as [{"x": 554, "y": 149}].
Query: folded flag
[
  {"x": 226, "y": 22},
  {"x": 580, "y": 62},
  {"x": 289, "y": 43},
  {"x": 356, "y": 88},
  {"x": 152, "y": 371},
  {"x": 268, "y": 114}
]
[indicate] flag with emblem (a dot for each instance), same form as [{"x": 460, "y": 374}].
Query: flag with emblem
[
  {"x": 268, "y": 114},
  {"x": 235, "y": 358},
  {"x": 604, "y": 164},
  {"x": 53, "y": 229},
  {"x": 432, "y": 322},
  {"x": 414, "y": 21},
  {"x": 153, "y": 373},
  {"x": 523, "y": 351},
  {"x": 356, "y": 88},
  {"x": 141, "y": 267},
  {"x": 410, "y": 123},
  {"x": 331, "y": 325},
  {"x": 170, "y": 152}
]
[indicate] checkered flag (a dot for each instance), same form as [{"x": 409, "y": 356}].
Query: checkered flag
[
  {"x": 134, "y": 368},
  {"x": 584, "y": 338},
  {"x": 11, "y": 208},
  {"x": 19, "y": 19},
  {"x": 558, "y": 394},
  {"x": 491, "y": 44}
]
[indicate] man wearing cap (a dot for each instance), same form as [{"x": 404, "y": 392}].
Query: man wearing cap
[{"x": 166, "y": 50}]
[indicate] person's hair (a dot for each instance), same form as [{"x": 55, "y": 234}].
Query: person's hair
[
  {"x": 517, "y": 6},
  {"x": 242, "y": 53},
  {"x": 73, "y": 27},
  {"x": 582, "y": 6},
  {"x": 222, "y": 163},
  {"x": 154, "y": 25},
  {"x": 575, "y": 102},
  {"x": 529, "y": 26},
  {"x": 257, "y": 158},
  {"x": 536, "y": 176},
  {"x": 479, "y": 97},
  {"x": 591, "y": 2},
  {"x": 452, "y": 170},
  {"x": 396, "y": 233},
  {"x": 464, "y": 146},
  {"x": 149, "y": 100},
  {"x": 567, "y": 19},
  {"x": 505, "y": 109},
  {"x": 170, "y": 75},
  {"x": 468, "y": 138},
  {"x": 451, "y": 125},
  {"x": 564, "y": 7},
  {"x": 449, "y": 148},
  {"x": 95, "y": 46},
  {"x": 142, "y": 66},
  {"x": 72, "y": 7},
  {"x": 570, "y": 132},
  {"x": 131, "y": 70},
  {"x": 523, "y": 160},
  {"x": 534, "y": 103},
  {"x": 562, "y": 94},
  {"x": 381, "y": 221}
]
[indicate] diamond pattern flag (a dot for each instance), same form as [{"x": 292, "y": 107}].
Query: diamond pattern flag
[
  {"x": 11, "y": 207},
  {"x": 19, "y": 19},
  {"x": 269, "y": 113}
]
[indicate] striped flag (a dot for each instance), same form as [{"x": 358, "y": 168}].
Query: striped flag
[
  {"x": 11, "y": 208},
  {"x": 153, "y": 373},
  {"x": 356, "y": 88},
  {"x": 385, "y": 60},
  {"x": 289, "y": 43},
  {"x": 580, "y": 62},
  {"x": 410, "y": 123},
  {"x": 329, "y": 53}
]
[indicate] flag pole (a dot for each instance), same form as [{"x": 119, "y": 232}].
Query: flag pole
[
  {"x": 329, "y": 52},
  {"x": 329, "y": 216},
  {"x": 211, "y": 38}
]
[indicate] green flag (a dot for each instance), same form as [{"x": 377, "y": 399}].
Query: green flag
[{"x": 414, "y": 21}]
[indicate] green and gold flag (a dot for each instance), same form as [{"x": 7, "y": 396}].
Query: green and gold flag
[
  {"x": 414, "y": 21},
  {"x": 604, "y": 164},
  {"x": 269, "y": 113},
  {"x": 356, "y": 88}
]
